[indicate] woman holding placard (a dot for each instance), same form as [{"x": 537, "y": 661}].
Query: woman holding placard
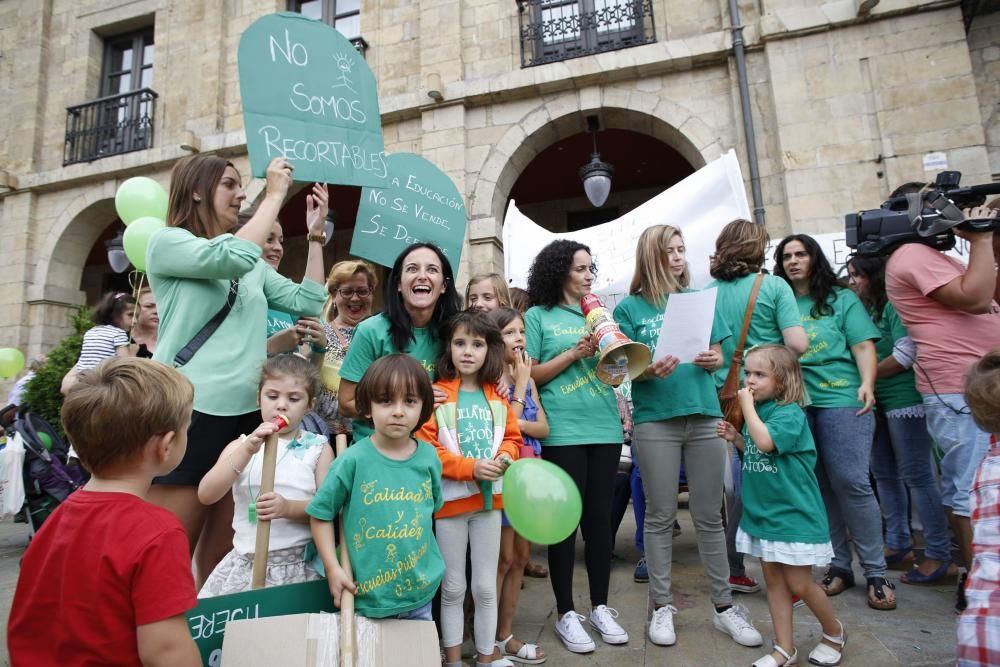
[
  {"x": 213, "y": 291},
  {"x": 675, "y": 410},
  {"x": 739, "y": 256},
  {"x": 585, "y": 437},
  {"x": 420, "y": 299}
]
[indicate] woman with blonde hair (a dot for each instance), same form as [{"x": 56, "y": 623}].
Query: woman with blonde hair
[
  {"x": 350, "y": 286},
  {"x": 675, "y": 411},
  {"x": 739, "y": 256}
]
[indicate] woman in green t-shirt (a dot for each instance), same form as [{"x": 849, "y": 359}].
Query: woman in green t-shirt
[
  {"x": 839, "y": 370},
  {"x": 420, "y": 299},
  {"x": 902, "y": 449},
  {"x": 585, "y": 434},
  {"x": 675, "y": 411}
]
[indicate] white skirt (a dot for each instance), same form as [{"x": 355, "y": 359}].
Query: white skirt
[
  {"x": 787, "y": 553},
  {"x": 234, "y": 573}
]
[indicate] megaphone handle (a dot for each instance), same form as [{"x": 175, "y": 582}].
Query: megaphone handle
[
  {"x": 346, "y": 598},
  {"x": 262, "y": 545}
]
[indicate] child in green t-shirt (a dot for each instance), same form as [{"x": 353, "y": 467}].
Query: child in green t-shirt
[
  {"x": 784, "y": 523},
  {"x": 389, "y": 486}
]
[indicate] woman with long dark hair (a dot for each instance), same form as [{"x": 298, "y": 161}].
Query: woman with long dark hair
[
  {"x": 839, "y": 370},
  {"x": 585, "y": 435},
  {"x": 195, "y": 266},
  {"x": 420, "y": 300},
  {"x": 901, "y": 453}
]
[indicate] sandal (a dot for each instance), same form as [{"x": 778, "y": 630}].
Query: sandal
[
  {"x": 880, "y": 601},
  {"x": 900, "y": 560},
  {"x": 915, "y": 576},
  {"x": 536, "y": 570},
  {"x": 824, "y": 654},
  {"x": 529, "y": 654},
  {"x": 836, "y": 581},
  {"x": 769, "y": 661}
]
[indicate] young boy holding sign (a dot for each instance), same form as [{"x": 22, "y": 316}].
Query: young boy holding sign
[{"x": 107, "y": 579}]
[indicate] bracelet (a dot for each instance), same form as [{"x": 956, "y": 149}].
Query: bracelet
[
  {"x": 233, "y": 466},
  {"x": 519, "y": 400},
  {"x": 318, "y": 238}
]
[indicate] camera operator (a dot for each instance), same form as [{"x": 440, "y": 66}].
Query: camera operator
[{"x": 951, "y": 314}]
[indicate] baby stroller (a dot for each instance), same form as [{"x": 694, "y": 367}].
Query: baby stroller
[{"x": 48, "y": 480}]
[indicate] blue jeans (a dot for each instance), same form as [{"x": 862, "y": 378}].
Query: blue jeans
[
  {"x": 844, "y": 448},
  {"x": 638, "y": 504},
  {"x": 901, "y": 460},
  {"x": 418, "y": 614},
  {"x": 954, "y": 432}
]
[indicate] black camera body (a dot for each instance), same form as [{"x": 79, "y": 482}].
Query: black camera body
[{"x": 880, "y": 231}]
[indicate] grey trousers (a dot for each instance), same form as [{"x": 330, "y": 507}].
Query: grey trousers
[{"x": 660, "y": 447}]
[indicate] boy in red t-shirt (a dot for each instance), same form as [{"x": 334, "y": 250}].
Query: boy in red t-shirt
[{"x": 107, "y": 579}]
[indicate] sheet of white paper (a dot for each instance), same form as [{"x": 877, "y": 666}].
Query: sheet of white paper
[{"x": 687, "y": 325}]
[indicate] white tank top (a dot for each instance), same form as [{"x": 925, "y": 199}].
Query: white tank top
[{"x": 294, "y": 479}]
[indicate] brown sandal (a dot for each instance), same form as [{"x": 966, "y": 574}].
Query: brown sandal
[
  {"x": 880, "y": 600},
  {"x": 836, "y": 581},
  {"x": 536, "y": 570}
]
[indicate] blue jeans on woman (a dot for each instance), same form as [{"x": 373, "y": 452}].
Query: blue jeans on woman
[
  {"x": 901, "y": 460},
  {"x": 844, "y": 448}
]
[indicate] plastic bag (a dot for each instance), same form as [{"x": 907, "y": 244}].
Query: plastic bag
[{"x": 11, "y": 477}]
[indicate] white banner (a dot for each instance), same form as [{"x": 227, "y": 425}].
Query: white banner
[{"x": 700, "y": 205}]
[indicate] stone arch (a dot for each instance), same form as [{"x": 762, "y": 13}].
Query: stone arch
[{"x": 559, "y": 116}]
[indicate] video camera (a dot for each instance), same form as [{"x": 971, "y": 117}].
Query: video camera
[{"x": 927, "y": 217}]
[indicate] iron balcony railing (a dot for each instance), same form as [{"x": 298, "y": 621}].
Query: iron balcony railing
[
  {"x": 109, "y": 125},
  {"x": 553, "y": 30}
]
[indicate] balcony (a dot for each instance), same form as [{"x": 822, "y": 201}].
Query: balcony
[
  {"x": 109, "y": 125},
  {"x": 554, "y": 30}
]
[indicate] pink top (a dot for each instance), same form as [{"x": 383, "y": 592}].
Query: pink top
[{"x": 948, "y": 340}]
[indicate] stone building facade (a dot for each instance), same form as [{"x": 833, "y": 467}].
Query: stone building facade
[{"x": 846, "y": 102}]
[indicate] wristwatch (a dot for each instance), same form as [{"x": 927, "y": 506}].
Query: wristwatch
[{"x": 318, "y": 238}]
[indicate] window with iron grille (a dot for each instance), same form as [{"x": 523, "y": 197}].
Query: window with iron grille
[
  {"x": 553, "y": 30},
  {"x": 120, "y": 120},
  {"x": 344, "y": 15}
]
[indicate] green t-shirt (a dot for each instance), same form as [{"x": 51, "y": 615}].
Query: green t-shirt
[
  {"x": 781, "y": 498},
  {"x": 898, "y": 391},
  {"x": 828, "y": 367},
  {"x": 474, "y": 428},
  {"x": 372, "y": 342},
  {"x": 190, "y": 277},
  {"x": 278, "y": 321},
  {"x": 774, "y": 311},
  {"x": 582, "y": 410},
  {"x": 689, "y": 390},
  {"x": 388, "y": 510}
]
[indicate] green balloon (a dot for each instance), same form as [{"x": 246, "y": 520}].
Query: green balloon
[
  {"x": 11, "y": 362},
  {"x": 541, "y": 501},
  {"x": 140, "y": 197},
  {"x": 46, "y": 439},
  {"x": 136, "y": 238}
]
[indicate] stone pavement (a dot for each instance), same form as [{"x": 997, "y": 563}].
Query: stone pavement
[{"x": 920, "y": 632}]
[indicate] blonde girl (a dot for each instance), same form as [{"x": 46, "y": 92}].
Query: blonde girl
[{"x": 487, "y": 292}]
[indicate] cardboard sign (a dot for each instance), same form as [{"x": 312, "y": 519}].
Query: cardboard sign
[
  {"x": 208, "y": 620},
  {"x": 419, "y": 204},
  {"x": 309, "y": 96}
]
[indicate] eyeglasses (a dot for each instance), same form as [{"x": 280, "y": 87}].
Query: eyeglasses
[{"x": 362, "y": 293}]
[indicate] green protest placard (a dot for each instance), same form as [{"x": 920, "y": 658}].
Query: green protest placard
[
  {"x": 419, "y": 204},
  {"x": 207, "y": 621},
  {"x": 309, "y": 96}
]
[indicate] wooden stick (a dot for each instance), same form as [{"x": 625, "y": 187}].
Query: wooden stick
[
  {"x": 346, "y": 598},
  {"x": 264, "y": 527}
]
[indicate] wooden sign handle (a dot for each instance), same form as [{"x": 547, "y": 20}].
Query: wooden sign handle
[
  {"x": 346, "y": 598},
  {"x": 264, "y": 527}
]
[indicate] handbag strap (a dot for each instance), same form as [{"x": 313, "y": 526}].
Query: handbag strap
[
  {"x": 733, "y": 376},
  {"x": 206, "y": 332}
]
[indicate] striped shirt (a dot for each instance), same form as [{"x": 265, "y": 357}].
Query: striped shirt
[
  {"x": 979, "y": 624},
  {"x": 100, "y": 343}
]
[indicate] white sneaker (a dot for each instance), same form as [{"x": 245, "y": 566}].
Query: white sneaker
[
  {"x": 572, "y": 634},
  {"x": 734, "y": 622},
  {"x": 602, "y": 618},
  {"x": 661, "y": 626}
]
